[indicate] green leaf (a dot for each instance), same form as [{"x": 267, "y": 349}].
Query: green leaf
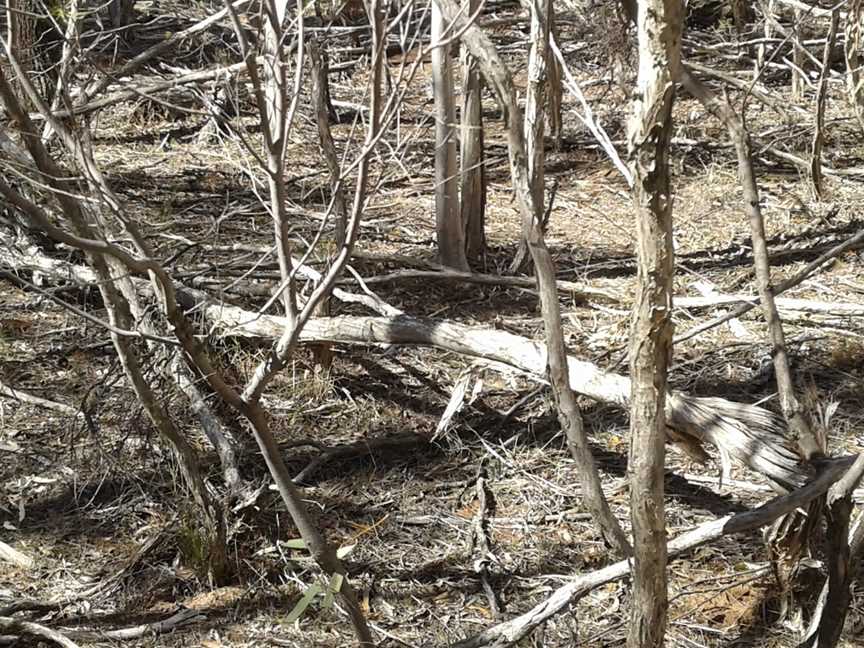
[
  {"x": 311, "y": 592},
  {"x": 295, "y": 543},
  {"x": 333, "y": 587}
]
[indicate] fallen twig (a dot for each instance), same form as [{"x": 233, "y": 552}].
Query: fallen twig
[
  {"x": 16, "y": 626},
  {"x": 44, "y": 403}
]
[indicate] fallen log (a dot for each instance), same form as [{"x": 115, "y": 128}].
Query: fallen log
[{"x": 744, "y": 434}]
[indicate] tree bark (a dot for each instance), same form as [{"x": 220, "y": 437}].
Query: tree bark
[
  {"x": 120, "y": 13},
  {"x": 535, "y": 104},
  {"x": 659, "y": 34},
  {"x": 473, "y": 193},
  {"x": 451, "y": 234},
  {"x": 27, "y": 39}
]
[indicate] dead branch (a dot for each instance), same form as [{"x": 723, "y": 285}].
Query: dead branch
[
  {"x": 44, "y": 403},
  {"x": 19, "y": 627}
]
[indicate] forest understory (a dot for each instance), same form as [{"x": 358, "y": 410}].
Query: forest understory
[{"x": 443, "y": 478}]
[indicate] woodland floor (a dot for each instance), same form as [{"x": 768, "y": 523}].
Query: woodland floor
[{"x": 84, "y": 502}]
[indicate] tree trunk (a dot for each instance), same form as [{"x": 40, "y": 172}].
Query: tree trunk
[
  {"x": 798, "y": 81},
  {"x": 28, "y": 39},
  {"x": 120, "y": 13},
  {"x": 854, "y": 52},
  {"x": 659, "y": 33},
  {"x": 451, "y": 235},
  {"x": 320, "y": 95},
  {"x": 554, "y": 87},
  {"x": 821, "y": 92},
  {"x": 535, "y": 102},
  {"x": 473, "y": 194}
]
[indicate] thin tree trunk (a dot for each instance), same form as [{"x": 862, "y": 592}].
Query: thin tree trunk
[
  {"x": 554, "y": 87},
  {"x": 854, "y": 53},
  {"x": 821, "y": 92},
  {"x": 25, "y": 37},
  {"x": 535, "y": 103},
  {"x": 659, "y": 34},
  {"x": 451, "y": 234},
  {"x": 767, "y": 31},
  {"x": 799, "y": 426},
  {"x": 473, "y": 194},
  {"x": 277, "y": 124},
  {"x": 120, "y": 13},
  {"x": 741, "y": 15},
  {"x": 833, "y": 603},
  {"x": 320, "y": 96},
  {"x": 798, "y": 82},
  {"x": 339, "y": 207}
]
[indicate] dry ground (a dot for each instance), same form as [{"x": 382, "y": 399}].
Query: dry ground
[{"x": 101, "y": 508}]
